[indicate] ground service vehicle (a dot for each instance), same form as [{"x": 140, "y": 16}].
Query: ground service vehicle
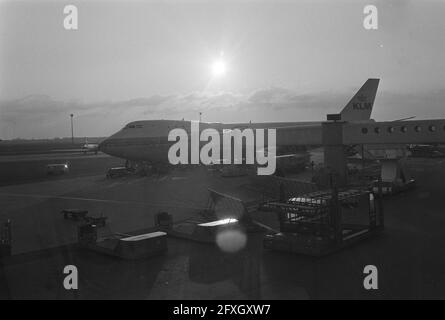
[
  {"x": 118, "y": 172},
  {"x": 57, "y": 168}
]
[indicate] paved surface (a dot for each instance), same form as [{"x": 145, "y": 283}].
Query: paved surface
[
  {"x": 410, "y": 255},
  {"x": 31, "y": 168},
  {"x": 51, "y": 156}
]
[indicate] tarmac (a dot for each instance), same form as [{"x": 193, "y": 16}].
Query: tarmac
[
  {"x": 51, "y": 156},
  {"x": 409, "y": 255}
]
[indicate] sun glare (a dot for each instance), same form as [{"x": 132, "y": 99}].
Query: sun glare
[{"x": 219, "y": 68}]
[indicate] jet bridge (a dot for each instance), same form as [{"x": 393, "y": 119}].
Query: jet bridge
[
  {"x": 334, "y": 135},
  {"x": 337, "y": 134}
]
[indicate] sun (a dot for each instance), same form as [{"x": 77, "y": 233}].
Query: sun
[{"x": 219, "y": 68}]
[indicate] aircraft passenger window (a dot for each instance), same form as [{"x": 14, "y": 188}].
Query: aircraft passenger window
[
  {"x": 364, "y": 130},
  {"x": 432, "y": 128},
  {"x": 377, "y": 130},
  {"x": 404, "y": 129},
  {"x": 418, "y": 128},
  {"x": 390, "y": 129}
]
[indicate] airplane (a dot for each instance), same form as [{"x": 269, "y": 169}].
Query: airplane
[
  {"x": 146, "y": 141},
  {"x": 92, "y": 147}
]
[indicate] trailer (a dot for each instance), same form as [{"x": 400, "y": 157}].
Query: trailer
[
  {"x": 82, "y": 215},
  {"x": 74, "y": 214},
  {"x": 322, "y": 222},
  {"x": 224, "y": 214},
  {"x": 123, "y": 246}
]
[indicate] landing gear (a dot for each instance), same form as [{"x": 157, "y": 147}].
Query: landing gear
[
  {"x": 138, "y": 167},
  {"x": 145, "y": 168}
]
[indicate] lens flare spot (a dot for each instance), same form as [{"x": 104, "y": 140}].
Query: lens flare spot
[{"x": 231, "y": 240}]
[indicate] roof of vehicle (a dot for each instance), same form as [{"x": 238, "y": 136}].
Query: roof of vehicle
[
  {"x": 56, "y": 164},
  {"x": 74, "y": 211}
]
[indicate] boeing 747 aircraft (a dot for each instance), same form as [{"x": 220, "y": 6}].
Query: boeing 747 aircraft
[{"x": 146, "y": 141}]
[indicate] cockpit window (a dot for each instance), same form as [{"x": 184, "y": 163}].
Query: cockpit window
[{"x": 133, "y": 126}]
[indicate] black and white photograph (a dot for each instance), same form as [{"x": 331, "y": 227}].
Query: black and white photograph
[{"x": 222, "y": 155}]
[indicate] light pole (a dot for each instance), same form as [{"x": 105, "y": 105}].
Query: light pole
[{"x": 72, "y": 130}]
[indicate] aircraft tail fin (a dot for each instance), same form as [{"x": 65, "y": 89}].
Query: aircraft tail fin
[{"x": 359, "y": 108}]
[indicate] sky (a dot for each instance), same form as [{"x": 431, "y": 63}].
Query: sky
[{"x": 284, "y": 61}]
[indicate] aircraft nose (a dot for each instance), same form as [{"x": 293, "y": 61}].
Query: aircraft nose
[
  {"x": 103, "y": 146},
  {"x": 108, "y": 146}
]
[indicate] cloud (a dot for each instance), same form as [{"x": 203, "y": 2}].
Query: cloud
[
  {"x": 40, "y": 116},
  {"x": 394, "y": 105},
  {"x": 273, "y": 95}
]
